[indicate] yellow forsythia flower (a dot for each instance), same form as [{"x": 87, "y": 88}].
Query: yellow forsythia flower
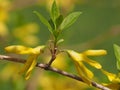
[
  {"x": 31, "y": 61},
  {"x": 79, "y": 58},
  {"x": 114, "y": 80}
]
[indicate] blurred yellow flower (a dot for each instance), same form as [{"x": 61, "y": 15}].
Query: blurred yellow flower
[
  {"x": 4, "y": 13},
  {"x": 79, "y": 58},
  {"x": 66, "y": 5},
  {"x": 12, "y": 68},
  {"x": 31, "y": 61},
  {"x": 27, "y": 34},
  {"x": 3, "y": 30},
  {"x": 51, "y": 82},
  {"x": 60, "y": 61},
  {"x": 4, "y": 9}
]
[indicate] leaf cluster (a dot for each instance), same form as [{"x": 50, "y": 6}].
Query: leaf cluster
[{"x": 57, "y": 23}]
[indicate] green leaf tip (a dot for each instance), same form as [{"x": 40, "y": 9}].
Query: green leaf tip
[
  {"x": 54, "y": 11},
  {"x": 69, "y": 20}
]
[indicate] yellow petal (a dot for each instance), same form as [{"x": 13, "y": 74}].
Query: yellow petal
[
  {"x": 38, "y": 49},
  {"x": 110, "y": 76},
  {"x": 28, "y": 63},
  {"x": 93, "y": 63},
  {"x": 84, "y": 73},
  {"x": 75, "y": 56},
  {"x": 18, "y": 49},
  {"x": 28, "y": 73},
  {"x": 95, "y": 52}
]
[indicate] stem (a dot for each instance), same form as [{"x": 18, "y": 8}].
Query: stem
[
  {"x": 43, "y": 66},
  {"x": 53, "y": 51}
]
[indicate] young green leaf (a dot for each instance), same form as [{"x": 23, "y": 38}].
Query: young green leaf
[
  {"x": 118, "y": 65},
  {"x": 60, "y": 41},
  {"x": 54, "y": 11},
  {"x": 44, "y": 21},
  {"x": 69, "y": 20},
  {"x": 52, "y": 24},
  {"x": 59, "y": 21},
  {"x": 117, "y": 54}
]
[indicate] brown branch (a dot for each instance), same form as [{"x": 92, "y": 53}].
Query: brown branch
[{"x": 43, "y": 66}]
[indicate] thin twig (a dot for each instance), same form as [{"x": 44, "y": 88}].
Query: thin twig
[
  {"x": 43, "y": 66},
  {"x": 53, "y": 54}
]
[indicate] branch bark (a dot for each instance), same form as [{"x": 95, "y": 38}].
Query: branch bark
[{"x": 43, "y": 66}]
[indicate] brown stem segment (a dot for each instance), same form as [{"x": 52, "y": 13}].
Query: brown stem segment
[
  {"x": 43, "y": 66},
  {"x": 53, "y": 54}
]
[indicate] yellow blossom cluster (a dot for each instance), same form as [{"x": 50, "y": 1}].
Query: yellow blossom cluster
[
  {"x": 79, "y": 58},
  {"x": 32, "y": 58}
]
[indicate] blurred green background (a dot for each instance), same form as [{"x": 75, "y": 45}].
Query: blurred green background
[{"x": 97, "y": 28}]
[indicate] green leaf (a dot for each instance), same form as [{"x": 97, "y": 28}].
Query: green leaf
[
  {"x": 69, "y": 20},
  {"x": 44, "y": 21},
  {"x": 117, "y": 54},
  {"x": 54, "y": 11},
  {"x": 118, "y": 65},
  {"x": 59, "y": 21},
  {"x": 60, "y": 41},
  {"x": 52, "y": 24}
]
